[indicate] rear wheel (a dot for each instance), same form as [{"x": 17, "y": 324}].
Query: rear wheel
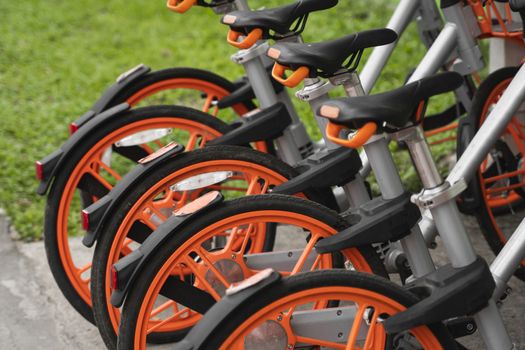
[
  {"x": 273, "y": 319},
  {"x": 224, "y": 246},
  {"x": 93, "y": 168},
  {"x": 235, "y": 171},
  {"x": 500, "y": 179}
]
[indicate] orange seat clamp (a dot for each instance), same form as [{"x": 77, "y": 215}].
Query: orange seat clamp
[
  {"x": 180, "y": 6},
  {"x": 294, "y": 79},
  {"x": 362, "y": 135},
  {"x": 248, "y": 41}
]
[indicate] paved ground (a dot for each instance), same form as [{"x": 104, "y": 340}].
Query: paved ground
[{"x": 34, "y": 314}]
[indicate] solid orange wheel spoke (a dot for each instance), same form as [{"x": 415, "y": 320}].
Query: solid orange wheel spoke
[
  {"x": 147, "y": 148},
  {"x": 100, "y": 179},
  {"x": 202, "y": 279},
  {"x": 84, "y": 268},
  {"x": 375, "y": 336},
  {"x": 192, "y": 141},
  {"x": 504, "y": 188},
  {"x": 204, "y": 256},
  {"x": 110, "y": 170},
  {"x": 304, "y": 255},
  {"x": 167, "y": 320},
  {"x": 207, "y": 104},
  {"x": 162, "y": 308},
  {"x": 246, "y": 239},
  {"x": 354, "y": 331},
  {"x": 252, "y": 186},
  {"x": 504, "y": 176}
]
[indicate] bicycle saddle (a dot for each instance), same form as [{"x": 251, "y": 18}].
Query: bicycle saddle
[
  {"x": 327, "y": 58},
  {"x": 278, "y": 19},
  {"x": 395, "y": 108}
]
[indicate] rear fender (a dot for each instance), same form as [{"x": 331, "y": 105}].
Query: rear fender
[
  {"x": 100, "y": 211},
  {"x": 56, "y": 160},
  {"x": 129, "y": 267}
]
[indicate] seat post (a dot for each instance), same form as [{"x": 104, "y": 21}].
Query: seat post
[{"x": 389, "y": 181}]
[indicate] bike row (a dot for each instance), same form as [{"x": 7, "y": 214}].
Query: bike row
[{"x": 249, "y": 234}]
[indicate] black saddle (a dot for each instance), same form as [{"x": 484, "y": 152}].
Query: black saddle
[
  {"x": 396, "y": 107},
  {"x": 329, "y": 57},
  {"x": 278, "y": 20}
]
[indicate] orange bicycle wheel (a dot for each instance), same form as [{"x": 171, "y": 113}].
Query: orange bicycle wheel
[
  {"x": 89, "y": 171},
  {"x": 190, "y": 256},
  {"x": 359, "y": 302},
  {"x": 151, "y": 201},
  {"x": 500, "y": 179}
]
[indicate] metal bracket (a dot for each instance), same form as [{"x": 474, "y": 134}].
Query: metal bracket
[
  {"x": 431, "y": 198},
  {"x": 311, "y": 92},
  {"x": 243, "y": 56}
]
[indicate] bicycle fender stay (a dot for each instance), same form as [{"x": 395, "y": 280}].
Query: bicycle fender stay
[
  {"x": 222, "y": 310},
  {"x": 51, "y": 164},
  {"x": 128, "y": 268},
  {"x": 97, "y": 214},
  {"x": 121, "y": 83}
]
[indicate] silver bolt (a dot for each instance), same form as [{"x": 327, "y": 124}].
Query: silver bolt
[
  {"x": 339, "y": 312},
  {"x": 470, "y": 327},
  {"x": 280, "y": 318},
  {"x": 233, "y": 256},
  {"x": 290, "y": 254},
  {"x": 340, "y": 335},
  {"x": 290, "y": 346}
]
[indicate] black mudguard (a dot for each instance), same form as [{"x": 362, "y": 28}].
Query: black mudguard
[
  {"x": 102, "y": 209},
  {"x": 55, "y": 160},
  {"x": 129, "y": 267},
  {"x": 379, "y": 220},
  {"x": 221, "y": 311},
  {"x": 122, "y": 82},
  {"x": 258, "y": 125},
  {"x": 323, "y": 169}
]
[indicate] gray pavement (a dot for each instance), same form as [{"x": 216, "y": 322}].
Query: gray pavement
[{"x": 34, "y": 314}]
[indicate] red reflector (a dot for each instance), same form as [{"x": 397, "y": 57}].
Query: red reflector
[
  {"x": 73, "y": 128},
  {"x": 85, "y": 220},
  {"x": 39, "y": 171},
  {"x": 113, "y": 282}
]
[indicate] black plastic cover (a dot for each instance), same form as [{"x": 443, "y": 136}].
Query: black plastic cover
[
  {"x": 379, "y": 220},
  {"x": 322, "y": 170},
  {"x": 447, "y": 292},
  {"x": 259, "y": 125}
]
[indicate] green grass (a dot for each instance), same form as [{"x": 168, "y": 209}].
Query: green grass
[{"x": 56, "y": 57}]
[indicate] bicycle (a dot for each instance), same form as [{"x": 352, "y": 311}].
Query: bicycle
[
  {"x": 377, "y": 313},
  {"x": 106, "y": 277},
  {"x": 147, "y": 264}
]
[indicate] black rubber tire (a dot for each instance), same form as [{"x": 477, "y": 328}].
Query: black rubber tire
[
  {"x": 174, "y": 73},
  {"x": 310, "y": 280},
  {"x": 108, "y": 231},
  {"x": 482, "y": 213},
  {"x": 137, "y": 292},
  {"x": 57, "y": 188}
]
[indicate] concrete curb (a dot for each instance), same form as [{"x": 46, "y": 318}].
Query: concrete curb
[{"x": 33, "y": 312}]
